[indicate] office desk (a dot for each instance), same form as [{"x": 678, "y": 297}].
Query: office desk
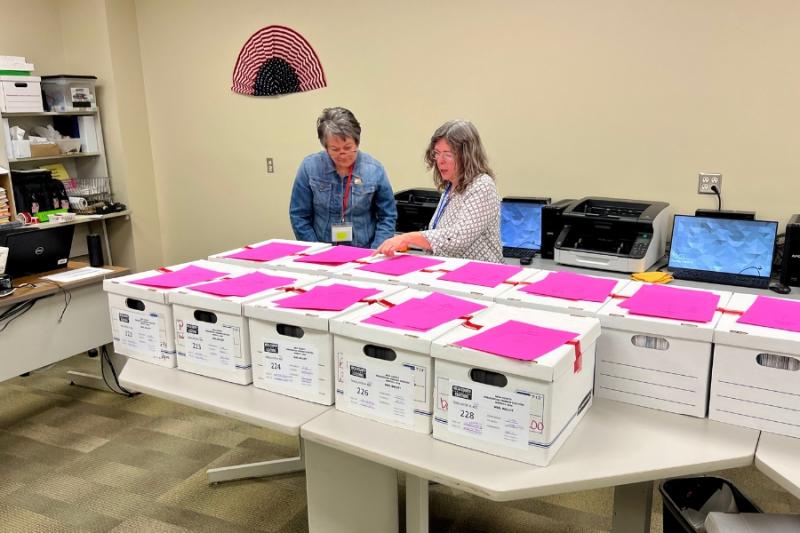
[
  {"x": 242, "y": 402},
  {"x": 351, "y": 465},
  {"x": 778, "y": 457},
  {"x": 37, "y": 339}
]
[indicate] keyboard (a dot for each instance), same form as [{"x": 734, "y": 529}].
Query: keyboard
[
  {"x": 723, "y": 278},
  {"x": 518, "y": 253}
]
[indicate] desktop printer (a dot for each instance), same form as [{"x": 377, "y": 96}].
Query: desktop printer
[{"x": 612, "y": 234}]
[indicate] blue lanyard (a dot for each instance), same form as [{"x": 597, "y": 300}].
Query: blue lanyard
[{"x": 442, "y": 205}]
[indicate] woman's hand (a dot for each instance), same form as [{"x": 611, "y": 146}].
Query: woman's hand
[{"x": 389, "y": 247}]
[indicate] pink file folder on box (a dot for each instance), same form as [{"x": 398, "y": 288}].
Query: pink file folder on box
[
  {"x": 518, "y": 340},
  {"x": 242, "y": 286},
  {"x": 482, "y": 274},
  {"x": 671, "y": 302},
  {"x": 400, "y": 265},
  {"x": 268, "y": 252},
  {"x": 337, "y": 255},
  {"x": 423, "y": 314},
  {"x": 179, "y": 278},
  {"x": 334, "y": 297},
  {"x": 773, "y": 313},
  {"x": 571, "y": 286}
]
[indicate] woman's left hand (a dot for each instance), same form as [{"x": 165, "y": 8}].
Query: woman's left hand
[{"x": 393, "y": 245}]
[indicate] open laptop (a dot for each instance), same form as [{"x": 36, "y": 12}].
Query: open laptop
[
  {"x": 521, "y": 226},
  {"x": 37, "y": 250},
  {"x": 720, "y": 250}
]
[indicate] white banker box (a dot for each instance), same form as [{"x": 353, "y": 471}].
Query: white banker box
[
  {"x": 357, "y": 272},
  {"x": 523, "y": 410},
  {"x": 212, "y": 335},
  {"x": 756, "y": 377},
  {"x": 224, "y": 257},
  {"x": 142, "y": 323},
  {"x": 329, "y": 270},
  {"x": 384, "y": 373},
  {"x": 292, "y": 349},
  {"x": 517, "y": 297},
  {"x": 429, "y": 280},
  {"x": 654, "y": 362}
]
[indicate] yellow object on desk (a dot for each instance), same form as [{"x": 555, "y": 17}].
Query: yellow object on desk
[
  {"x": 652, "y": 277},
  {"x": 57, "y": 170}
]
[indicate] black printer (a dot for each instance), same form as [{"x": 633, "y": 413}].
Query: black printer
[{"x": 415, "y": 208}]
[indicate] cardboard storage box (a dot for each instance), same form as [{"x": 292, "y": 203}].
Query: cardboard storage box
[
  {"x": 517, "y": 297},
  {"x": 20, "y": 94},
  {"x": 292, "y": 349},
  {"x": 384, "y": 373},
  {"x": 292, "y": 264},
  {"x": 212, "y": 335},
  {"x": 430, "y": 280},
  {"x": 755, "y": 381},
  {"x": 655, "y": 362},
  {"x": 523, "y": 410},
  {"x": 225, "y": 257},
  {"x": 404, "y": 279},
  {"x": 44, "y": 150},
  {"x": 142, "y": 323}
]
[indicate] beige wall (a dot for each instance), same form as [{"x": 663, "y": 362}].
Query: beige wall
[{"x": 32, "y": 29}]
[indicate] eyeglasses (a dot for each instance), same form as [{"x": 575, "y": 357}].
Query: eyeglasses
[
  {"x": 338, "y": 151},
  {"x": 447, "y": 156}
]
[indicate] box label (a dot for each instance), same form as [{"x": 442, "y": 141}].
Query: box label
[
  {"x": 287, "y": 363},
  {"x": 381, "y": 390},
  {"x": 489, "y": 414},
  {"x": 217, "y": 345},
  {"x": 140, "y": 332}
]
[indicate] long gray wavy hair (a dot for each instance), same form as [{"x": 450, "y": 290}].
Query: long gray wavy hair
[{"x": 463, "y": 138}]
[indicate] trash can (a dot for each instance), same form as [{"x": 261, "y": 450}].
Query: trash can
[{"x": 688, "y": 500}]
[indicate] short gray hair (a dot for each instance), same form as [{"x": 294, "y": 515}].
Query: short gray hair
[
  {"x": 463, "y": 138},
  {"x": 340, "y": 122}
]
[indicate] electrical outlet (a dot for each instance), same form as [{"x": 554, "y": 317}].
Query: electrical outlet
[
  {"x": 270, "y": 166},
  {"x": 705, "y": 180}
]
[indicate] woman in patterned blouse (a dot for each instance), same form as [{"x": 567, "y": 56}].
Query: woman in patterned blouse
[{"x": 466, "y": 223}]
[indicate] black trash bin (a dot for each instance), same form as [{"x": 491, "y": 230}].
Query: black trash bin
[{"x": 684, "y": 496}]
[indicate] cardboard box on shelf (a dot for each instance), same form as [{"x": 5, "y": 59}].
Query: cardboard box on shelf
[{"x": 44, "y": 150}]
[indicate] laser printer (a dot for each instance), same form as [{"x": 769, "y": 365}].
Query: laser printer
[{"x": 612, "y": 234}]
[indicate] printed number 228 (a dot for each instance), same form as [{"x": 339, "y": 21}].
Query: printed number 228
[{"x": 468, "y": 414}]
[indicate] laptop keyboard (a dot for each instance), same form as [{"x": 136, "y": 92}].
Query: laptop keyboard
[
  {"x": 722, "y": 278},
  {"x": 518, "y": 253}
]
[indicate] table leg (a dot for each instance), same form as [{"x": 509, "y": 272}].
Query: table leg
[
  {"x": 632, "y": 507},
  {"x": 347, "y": 494},
  {"x": 416, "y": 504}
]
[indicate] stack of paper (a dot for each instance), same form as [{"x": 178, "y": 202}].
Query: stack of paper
[
  {"x": 16, "y": 65},
  {"x": 5, "y": 211},
  {"x": 652, "y": 277}
]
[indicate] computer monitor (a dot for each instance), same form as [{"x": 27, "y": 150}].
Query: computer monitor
[
  {"x": 521, "y": 225},
  {"x": 39, "y": 250},
  {"x": 720, "y": 250}
]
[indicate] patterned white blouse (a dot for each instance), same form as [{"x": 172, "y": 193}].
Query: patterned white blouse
[{"x": 469, "y": 225}]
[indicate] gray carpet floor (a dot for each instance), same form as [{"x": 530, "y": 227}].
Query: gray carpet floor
[{"x": 80, "y": 460}]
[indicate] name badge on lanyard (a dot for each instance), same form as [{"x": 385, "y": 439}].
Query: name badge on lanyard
[
  {"x": 442, "y": 205},
  {"x": 343, "y": 232}
]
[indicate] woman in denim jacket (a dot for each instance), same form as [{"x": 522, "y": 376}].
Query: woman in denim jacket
[
  {"x": 466, "y": 222},
  {"x": 341, "y": 195}
]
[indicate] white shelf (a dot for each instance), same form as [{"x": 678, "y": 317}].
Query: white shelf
[
  {"x": 52, "y": 157},
  {"x": 51, "y": 113}
]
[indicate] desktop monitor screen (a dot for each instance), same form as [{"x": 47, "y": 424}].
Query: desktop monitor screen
[
  {"x": 730, "y": 251},
  {"x": 521, "y": 224}
]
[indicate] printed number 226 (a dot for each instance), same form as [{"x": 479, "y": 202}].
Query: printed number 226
[{"x": 362, "y": 391}]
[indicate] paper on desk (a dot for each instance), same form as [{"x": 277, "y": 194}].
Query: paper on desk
[
  {"x": 179, "y": 278},
  {"x": 268, "y": 252},
  {"x": 242, "y": 286},
  {"x": 77, "y": 274},
  {"x": 572, "y": 287},
  {"x": 401, "y": 264},
  {"x": 777, "y": 313},
  {"x": 337, "y": 255},
  {"x": 518, "y": 340},
  {"x": 483, "y": 274},
  {"x": 423, "y": 314},
  {"x": 672, "y": 302},
  {"x": 333, "y": 297}
]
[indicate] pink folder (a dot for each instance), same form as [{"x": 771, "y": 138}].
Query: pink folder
[
  {"x": 337, "y": 255},
  {"x": 483, "y": 274},
  {"x": 333, "y": 297},
  {"x": 671, "y": 302},
  {"x": 179, "y": 278},
  {"x": 777, "y": 313},
  {"x": 518, "y": 340},
  {"x": 243, "y": 285},
  {"x": 401, "y": 264},
  {"x": 571, "y": 286},
  {"x": 268, "y": 252},
  {"x": 423, "y": 314}
]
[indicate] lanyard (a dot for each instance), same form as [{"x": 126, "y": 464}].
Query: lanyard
[
  {"x": 347, "y": 187},
  {"x": 442, "y": 205}
]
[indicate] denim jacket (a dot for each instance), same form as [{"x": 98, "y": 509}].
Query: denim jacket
[{"x": 316, "y": 202}]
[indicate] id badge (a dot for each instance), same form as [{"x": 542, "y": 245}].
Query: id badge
[{"x": 342, "y": 233}]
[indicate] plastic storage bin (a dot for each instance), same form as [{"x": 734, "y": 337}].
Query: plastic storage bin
[
  {"x": 688, "y": 500},
  {"x": 69, "y": 93},
  {"x": 415, "y": 208}
]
